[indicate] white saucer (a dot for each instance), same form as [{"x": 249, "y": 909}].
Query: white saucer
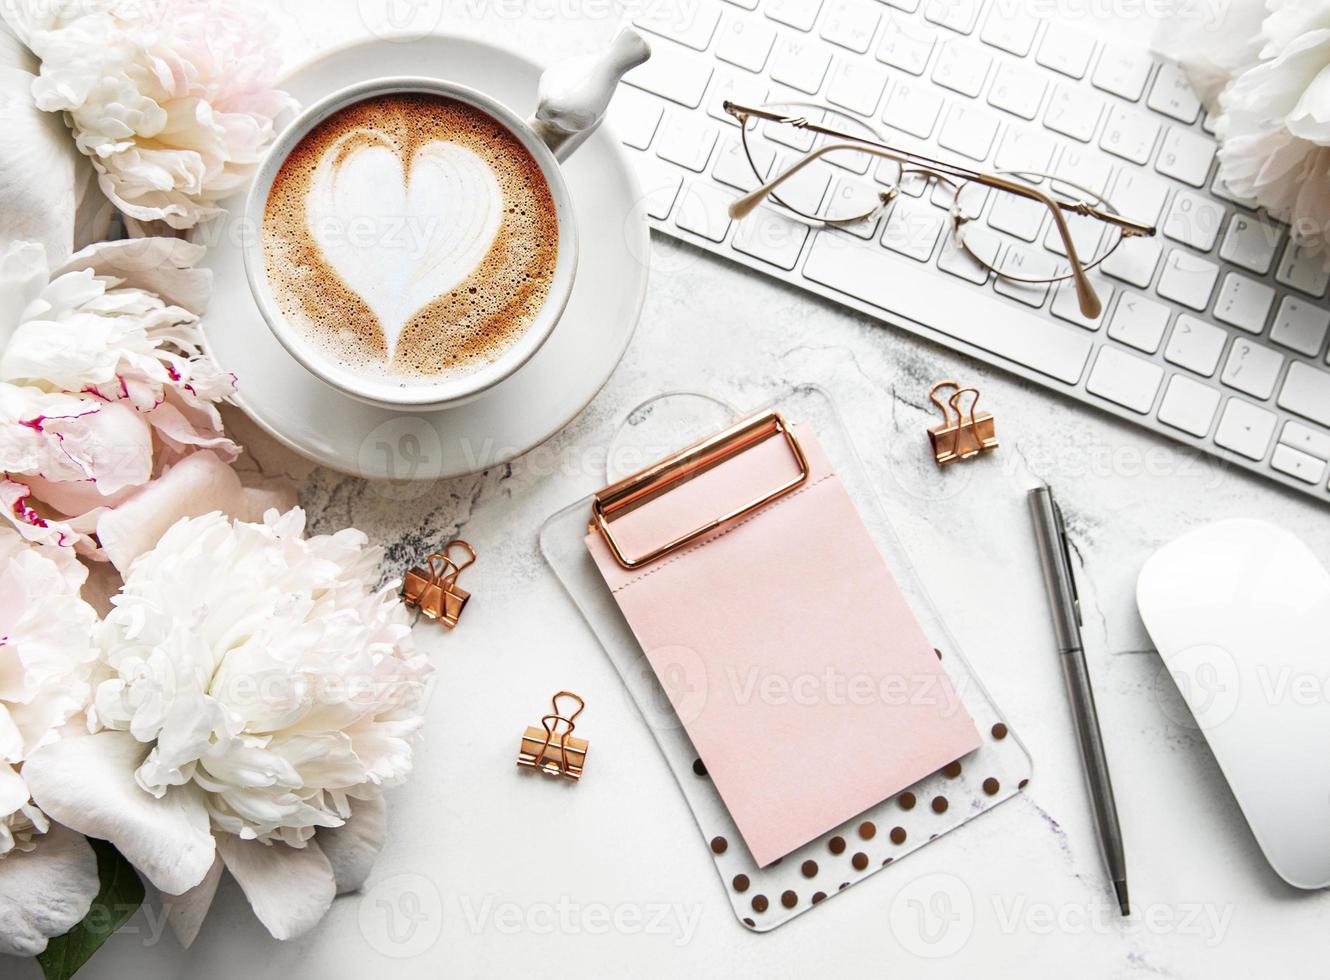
[{"x": 518, "y": 414}]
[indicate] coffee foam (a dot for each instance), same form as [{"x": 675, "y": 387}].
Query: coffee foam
[{"x": 430, "y": 277}]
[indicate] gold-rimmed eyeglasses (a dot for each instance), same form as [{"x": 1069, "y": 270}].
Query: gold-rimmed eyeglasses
[{"x": 1088, "y": 227}]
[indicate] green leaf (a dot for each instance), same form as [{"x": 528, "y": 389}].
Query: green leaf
[{"x": 119, "y": 897}]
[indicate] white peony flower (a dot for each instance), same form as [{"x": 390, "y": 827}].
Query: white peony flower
[
  {"x": 48, "y": 875},
  {"x": 103, "y": 382},
  {"x": 172, "y": 100},
  {"x": 261, "y": 693},
  {"x": 1266, "y": 76}
]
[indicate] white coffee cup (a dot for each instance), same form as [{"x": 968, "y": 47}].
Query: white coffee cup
[{"x": 571, "y": 102}]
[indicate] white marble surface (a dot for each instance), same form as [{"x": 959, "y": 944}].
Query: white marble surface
[{"x": 515, "y": 877}]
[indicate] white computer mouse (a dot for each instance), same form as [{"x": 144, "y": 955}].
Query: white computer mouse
[{"x": 1239, "y": 611}]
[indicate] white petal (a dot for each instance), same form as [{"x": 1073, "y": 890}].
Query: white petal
[
  {"x": 290, "y": 888},
  {"x": 87, "y": 783},
  {"x": 14, "y": 53},
  {"x": 185, "y": 913},
  {"x": 45, "y": 892},
  {"x": 42, "y": 170},
  {"x": 352, "y": 847},
  {"x": 164, "y": 266}
]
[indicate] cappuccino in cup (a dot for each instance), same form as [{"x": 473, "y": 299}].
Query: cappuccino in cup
[{"x": 410, "y": 238}]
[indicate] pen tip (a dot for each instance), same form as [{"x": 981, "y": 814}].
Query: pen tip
[{"x": 1120, "y": 887}]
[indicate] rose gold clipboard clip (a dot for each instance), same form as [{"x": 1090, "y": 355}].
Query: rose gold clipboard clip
[
  {"x": 552, "y": 749},
  {"x": 654, "y": 481},
  {"x": 434, "y": 589}
]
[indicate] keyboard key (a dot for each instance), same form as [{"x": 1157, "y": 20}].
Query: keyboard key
[
  {"x": 1139, "y": 322},
  {"x": 960, "y": 263},
  {"x": 1297, "y": 464},
  {"x": 913, "y": 107},
  {"x": 1065, "y": 49},
  {"x": 1251, "y": 368},
  {"x": 961, "y": 67},
  {"x": 969, "y": 131},
  {"x": 1185, "y": 156},
  {"x": 1306, "y": 391},
  {"x": 1016, "y": 215},
  {"x": 905, "y": 45},
  {"x": 745, "y": 4},
  {"x": 1073, "y": 113},
  {"x": 851, "y": 23},
  {"x": 1129, "y": 134},
  {"x": 1017, "y": 90},
  {"x": 690, "y": 22},
  {"x": 1024, "y": 263},
  {"x": 851, "y": 197},
  {"x": 1134, "y": 261},
  {"x": 1138, "y": 195},
  {"x": 1187, "y": 279},
  {"x": 1245, "y": 429},
  {"x": 1244, "y": 302},
  {"x": 1303, "y": 270},
  {"x": 1067, "y": 307},
  {"x": 1082, "y": 169},
  {"x": 1195, "y": 345},
  {"x": 800, "y": 64},
  {"x": 687, "y": 140},
  {"x": 1122, "y": 70},
  {"x": 743, "y": 89},
  {"x": 1124, "y": 379},
  {"x": 746, "y": 42},
  {"x": 703, "y": 210},
  {"x": 1314, "y": 442},
  {"x": 856, "y": 86},
  {"x": 1173, "y": 95},
  {"x": 1009, "y": 29},
  {"x": 1250, "y": 242},
  {"x": 1194, "y": 220},
  {"x": 1300, "y": 326},
  {"x": 799, "y": 14},
  {"x": 1221, "y": 190},
  {"x": 634, "y": 116},
  {"x": 732, "y": 166},
  {"x": 1188, "y": 405},
  {"x": 874, "y": 275},
  {"x": 912, "y": 230},
  {"x": 660, "y": 184},
  {"x": 956, "y": 15},
  {"x": 772, "y": 237},
  {"x": 1025, "y": 150},
  {"x": 1086, "y": 233},
  {"x": 803, "y": 191},
  {"x": 673, "y": 74}
]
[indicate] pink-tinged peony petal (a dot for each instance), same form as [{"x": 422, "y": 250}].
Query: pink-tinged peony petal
[
  {"x": 197, "y": 485},
  {"x": 87, "y": 783},
  {"x": 45, "y": 892},
  {"x": 352, "y": 848},
  {"x": 290, "y": 888},
  {"x": 185, "y": 913}
]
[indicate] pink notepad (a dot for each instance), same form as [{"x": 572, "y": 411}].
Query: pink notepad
[{"x": 786, "y": 648}]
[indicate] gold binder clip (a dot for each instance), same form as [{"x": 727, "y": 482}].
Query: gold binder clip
[
  {"x": 968, "y": 434},
  {"x": 551, "y": 749},
  {"x": 434, "y": 591}
]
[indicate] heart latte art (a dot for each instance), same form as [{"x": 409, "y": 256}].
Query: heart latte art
[{"x": 410, "y": 237}]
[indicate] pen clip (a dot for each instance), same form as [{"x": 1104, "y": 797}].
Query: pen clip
[{"x": 1066, "y": 557}]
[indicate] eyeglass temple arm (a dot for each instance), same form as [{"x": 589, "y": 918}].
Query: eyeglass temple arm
[{"x": 743, "y": 206}]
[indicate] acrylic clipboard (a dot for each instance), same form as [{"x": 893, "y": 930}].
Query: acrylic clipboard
[{"x": 880, "y": 836}]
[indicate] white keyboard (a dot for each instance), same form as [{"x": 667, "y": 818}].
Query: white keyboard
[{"x": 1213, "y": 332}]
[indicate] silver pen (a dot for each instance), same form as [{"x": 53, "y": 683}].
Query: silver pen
[{"x": 1055, "y": 556}]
